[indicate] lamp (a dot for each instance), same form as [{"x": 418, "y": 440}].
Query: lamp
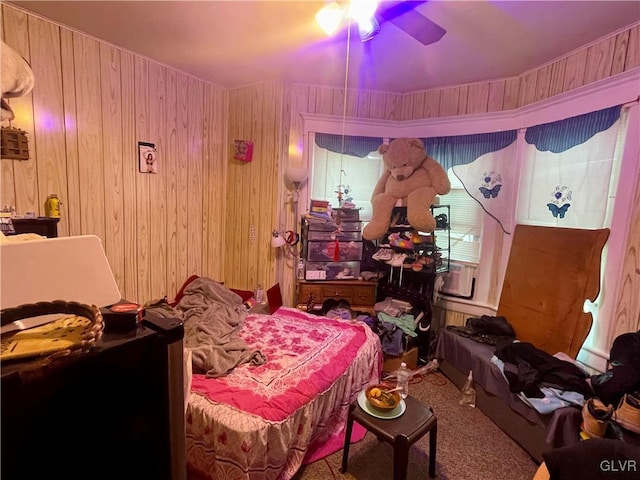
[
  {"x": 363, "y": 12},
  {"x": 329, "y": 17},
  {"x": 296, "y": 175},
  {"x": 277, "y": 241},
  {"x": 368, "y": 28}
]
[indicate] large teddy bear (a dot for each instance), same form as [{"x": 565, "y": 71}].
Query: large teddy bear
[
  {"x": 411, "y": 176},
  {"x": 17, "y": 79}
]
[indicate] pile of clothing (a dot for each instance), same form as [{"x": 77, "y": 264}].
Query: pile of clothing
[{"x": 397, "y": 324}]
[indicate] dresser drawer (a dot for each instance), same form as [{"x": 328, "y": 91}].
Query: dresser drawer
[
  {"x": 307, "y": 291},
  {"x": 337, "y": 291},
  {"x": 364, "y": 296},
  {"x": 360, "y": 294}
]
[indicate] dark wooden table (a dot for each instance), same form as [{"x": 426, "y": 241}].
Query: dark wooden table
[{"x": 401, "y": 433}]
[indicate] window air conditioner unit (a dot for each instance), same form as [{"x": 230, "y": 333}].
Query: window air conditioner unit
[{"x": 459, "y": 281}]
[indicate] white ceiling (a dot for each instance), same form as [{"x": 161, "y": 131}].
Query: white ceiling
[{"x": 237, "y": 43}]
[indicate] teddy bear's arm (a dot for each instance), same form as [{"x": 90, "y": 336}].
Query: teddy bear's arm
[
  {"x": 381, "y": 185},
  {"x": 438, "y": 175}
]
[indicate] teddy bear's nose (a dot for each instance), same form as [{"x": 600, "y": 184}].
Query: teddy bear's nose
[{"x": 400, "y": 177}]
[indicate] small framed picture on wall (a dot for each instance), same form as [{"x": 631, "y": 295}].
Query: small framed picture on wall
[
  {"x": 147, "y": 158},
  {"x": 243, "y": 150}
]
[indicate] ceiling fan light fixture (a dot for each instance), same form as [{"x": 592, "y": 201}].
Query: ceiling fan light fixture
[
  {"x": 362, "y": 12},
  {"x": 368, "y": 29},
  {"x": 329, "y": 17}
]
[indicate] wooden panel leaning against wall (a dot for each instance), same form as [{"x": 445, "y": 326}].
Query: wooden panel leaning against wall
[{"x": 157, "y": 229}]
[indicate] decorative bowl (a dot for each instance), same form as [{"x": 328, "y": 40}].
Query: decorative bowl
[{"x": 380, "y": 398}]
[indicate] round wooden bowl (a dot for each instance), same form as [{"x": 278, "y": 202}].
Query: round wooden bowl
[{"x": 379, "y": 398}]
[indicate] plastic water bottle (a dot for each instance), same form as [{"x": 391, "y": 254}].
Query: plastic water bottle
[
  {"x": 402, "y": 378},
  {"x": 468, "y": 392},
  {"x": 259, "y": 293},
  {"x": 300, "y": 269}
]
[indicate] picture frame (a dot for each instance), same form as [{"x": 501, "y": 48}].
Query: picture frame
[
  {"x": 243, "y": 150},
  {"x": 147, "y": 158}
]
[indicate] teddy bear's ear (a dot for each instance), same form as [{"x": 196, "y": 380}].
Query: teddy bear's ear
[
  {"x": 383, "y": 148},
  {"x": 416, "y": 142}
]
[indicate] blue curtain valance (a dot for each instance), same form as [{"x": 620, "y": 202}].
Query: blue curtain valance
[
  {"x": 464, "y": 149},
  {"x": 348, "y": 144},
  {"x": 564, "y": 134}
]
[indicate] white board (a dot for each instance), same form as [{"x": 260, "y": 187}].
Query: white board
[{"x": 64, "y": 268}]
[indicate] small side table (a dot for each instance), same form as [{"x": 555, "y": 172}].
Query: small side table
[{"x": 401, "y": 433}]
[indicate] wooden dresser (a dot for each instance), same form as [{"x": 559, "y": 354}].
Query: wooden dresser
[{"x": 360, "y": 294}]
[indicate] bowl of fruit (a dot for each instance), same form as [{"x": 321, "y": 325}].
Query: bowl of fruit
[{"x": 382, "y": 397}]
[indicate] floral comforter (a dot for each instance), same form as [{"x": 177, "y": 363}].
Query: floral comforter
[{"x": 264, "y": 422}]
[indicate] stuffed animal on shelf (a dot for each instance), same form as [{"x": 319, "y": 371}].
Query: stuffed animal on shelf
[
  {"x": 410, "y": 176},
  {"x": 17, "y": 79}
]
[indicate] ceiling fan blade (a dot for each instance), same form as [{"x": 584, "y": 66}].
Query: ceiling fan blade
[
  {"x": 404, "y": 16},
  {"x": 419, "y": 27}
]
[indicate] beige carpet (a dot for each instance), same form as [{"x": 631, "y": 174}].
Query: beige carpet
[{"x": 470, "y": 446}]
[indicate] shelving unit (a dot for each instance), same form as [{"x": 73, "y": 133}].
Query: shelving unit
[
  {"x": 332, "y": 252},
  {"x": 332, "y": 248},
  {"x": 414, "y": 285}
]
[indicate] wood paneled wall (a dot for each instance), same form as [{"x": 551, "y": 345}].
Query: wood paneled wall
[
  {"x": 254, "y": 188},
  {"x": 205, "y": 213},
  {"x": 90, "y": 106}
]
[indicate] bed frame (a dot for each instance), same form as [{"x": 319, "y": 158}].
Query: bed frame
[
  {"x": 531, "y": 430},
  {"x": 550, "y": 273}
]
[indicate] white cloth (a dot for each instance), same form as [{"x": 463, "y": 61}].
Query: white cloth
[
  {"x": 490, "y": 180},
  {"x": 570, "y": 188}
]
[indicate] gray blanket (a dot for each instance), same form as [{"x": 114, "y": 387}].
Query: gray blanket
[{"x": 212, "y": 315}]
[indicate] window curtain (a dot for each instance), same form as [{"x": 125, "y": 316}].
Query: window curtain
[
  {"x": 485, "y": 164},
  {"x": 354, "y": 176},
  {"x": 567, "y": 170},
  {"x": 348, "y": 145}
]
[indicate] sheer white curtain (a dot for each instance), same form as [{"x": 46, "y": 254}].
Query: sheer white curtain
[{"x": 357, "y": 175}]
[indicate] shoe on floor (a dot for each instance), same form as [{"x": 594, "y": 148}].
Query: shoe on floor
[
  {"x": 627, "y": 415},
  {"x": 595, "y": 417}
]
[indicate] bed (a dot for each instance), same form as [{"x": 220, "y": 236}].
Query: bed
[
  {"x": 265, "y": 419},
  {"x": 535, "y": 432},
  {"x": 550, "y": 273}
]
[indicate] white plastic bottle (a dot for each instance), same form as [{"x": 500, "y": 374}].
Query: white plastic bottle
[
  {"x": 402, "y": 378},
  {"x": 468, "y": 392}
]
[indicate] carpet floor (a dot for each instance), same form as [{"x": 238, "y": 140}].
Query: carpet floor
[{"x": 469, "y": 447}]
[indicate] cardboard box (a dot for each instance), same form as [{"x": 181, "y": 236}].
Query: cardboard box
[{"x": 410, "y": 357}]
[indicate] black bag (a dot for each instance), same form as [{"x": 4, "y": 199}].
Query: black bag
[
  {"x": 624, "y": 374},
  {"x": 487, "y": 325}
]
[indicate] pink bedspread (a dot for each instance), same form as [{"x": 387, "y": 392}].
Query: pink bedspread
[{"x": 264, "y": 422}]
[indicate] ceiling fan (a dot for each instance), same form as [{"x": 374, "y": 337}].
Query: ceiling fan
[
  {"x": 371, "y": 15},
  {"x": 405, "y": 16}
]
